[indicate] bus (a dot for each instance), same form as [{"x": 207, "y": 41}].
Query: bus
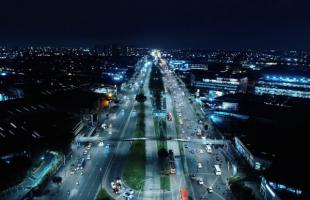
[
  {"x": 172, "y": 166},
  {"x": 169, "y": 116},
  {"x": 173, "y": 169},
  {"x": 217, "y": 170},
  {"x": 81, "y": 163}
]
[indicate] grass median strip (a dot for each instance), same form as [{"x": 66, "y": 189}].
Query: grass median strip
[
  {"x": 178, "y": 135},
  {"x": 161, "y": 133},
  {"x": 134, "y": 172},
  {"x": 103, "y": 195}
]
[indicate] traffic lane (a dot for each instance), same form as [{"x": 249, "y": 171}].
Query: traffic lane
[
  {"x": 120, "y": 156},
  {"x": 90, "y": 170},
  {"x": 90, "y": 180},
  {"x": 207, "y": 173}
]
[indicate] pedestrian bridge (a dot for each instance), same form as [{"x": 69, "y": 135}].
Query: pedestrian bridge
[{"x": 199, "y": 141}]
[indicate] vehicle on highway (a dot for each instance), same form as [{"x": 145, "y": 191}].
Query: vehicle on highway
[
  {"x": 184, "y": 194},
  {"x": 200, "y": 181},
  {"x": 218, "y": 171},
  {"x": 103, "y": 125},
  {"x": 100, "y": 144},
  {"x": 199, "y": 133},
  {"x": 88, "y": 147},
  {"x": 172, "y": 165},
  {"x": 81, "y": 163},
  {"x": 199, "y": 165},
  {"x": 192, "y": 176},
  {"x": 208, "y": 148},
  {"x": 169, "y": 116}
]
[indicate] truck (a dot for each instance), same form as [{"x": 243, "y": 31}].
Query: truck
[
  {"x": 81, "y": 163},
  {"x": 172, "y": 165},
  {"x": 169, "y": 116}
]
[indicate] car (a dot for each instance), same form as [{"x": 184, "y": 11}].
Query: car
[
  {"x": 210, "y": 189},
  {"x": 200, "y": 181},
  {"x": 100, "y": 144},
  {"x": 72, "y": 172},
  {"x": 192, "y": 151},
  {"x": 199, "y": 165},
  {"x": 88, "y": 157},
  {"x": 186, "y": 146},
  {"x": 85, "y": 152},
  {"x": 127, "y": 196},
  {"x": 88, "y": 147},
  {"x": 208, "y": 148},
  {"x": 107, "y": 146},
  {"x": 192, "y": 176},
  {"x": 104, "y": 126},
  {"x": 130, "y": 191},
  {"x": 82, "y": 172},
  {"x": 77, "y": 183},
  {"x": 200, "y": 151}
]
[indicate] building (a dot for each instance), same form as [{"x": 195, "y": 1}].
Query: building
[
  {"x": 258, "y": 160},
  {"x": 199, "y": 66},
  {"x": 181, "y": 65},
  {"x": 277, "y": 85},
  {"x": 228, "y": 85}
]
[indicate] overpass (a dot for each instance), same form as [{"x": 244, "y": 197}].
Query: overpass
[{"x": 199, "y": 141}]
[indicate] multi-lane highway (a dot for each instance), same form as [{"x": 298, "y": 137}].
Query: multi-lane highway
[
  {"x": 106, "y": 158},
  {"x": 197, "y": 161},
  {"x": 99, "y": 158}
]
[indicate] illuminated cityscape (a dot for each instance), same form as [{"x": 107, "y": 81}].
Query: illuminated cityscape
[{"x": 174, "y": 100}]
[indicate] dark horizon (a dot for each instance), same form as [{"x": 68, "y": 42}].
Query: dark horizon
[{"x": 175, "y": 24}]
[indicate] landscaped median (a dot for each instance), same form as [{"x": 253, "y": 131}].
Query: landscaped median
[
  {"x": 163, "y": 163},
  {"x": 134, "y": 171},
  {"x": 103, "y": 195},
  {"x": 178, "y": 131}
]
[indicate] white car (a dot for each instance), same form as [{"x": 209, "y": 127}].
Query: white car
[
  {"x": 104, "y": 126},
  {"x": 88, "y": 157},
  {"x": 199, "y": 165},
  {"x": 100, "y": 144},
  {"x": 200, "y": 181},
  {"x": 200, "y": 151},
  {"x": 208, "y": 148},
  {"x": 210, "y": 189}
]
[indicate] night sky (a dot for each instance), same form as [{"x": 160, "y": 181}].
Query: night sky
[{"x": 225, "y": 24}]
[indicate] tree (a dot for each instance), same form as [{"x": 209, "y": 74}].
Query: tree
[
  {"x": 163, "y": 153},
  {"x": 240, "y": 190},
  {"x": 57, "y": 180},
  {"x": 141, "y": 98}
]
